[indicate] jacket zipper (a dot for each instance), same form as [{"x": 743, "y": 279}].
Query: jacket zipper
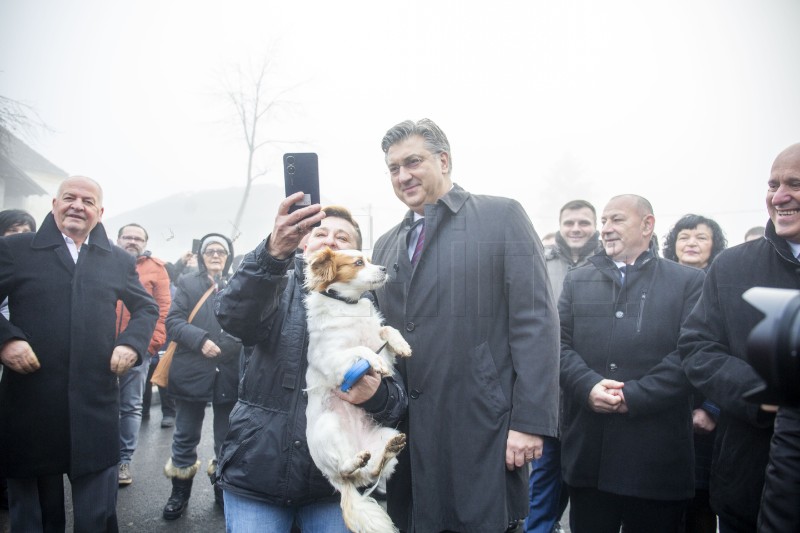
[{"x": 641, "y": 311}]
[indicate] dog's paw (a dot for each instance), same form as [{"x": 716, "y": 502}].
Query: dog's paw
[
  {"x": 380, "y": 367},
  {"x": 396, "y": 342},
  {"x": 396, "y": 444},
  {"x": 358, "y": 462}
]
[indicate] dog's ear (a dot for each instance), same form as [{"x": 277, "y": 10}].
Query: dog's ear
[{"x": 321, "y": 270}]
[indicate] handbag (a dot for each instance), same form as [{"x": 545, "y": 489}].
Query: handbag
[{"x": 161, "y": 373}]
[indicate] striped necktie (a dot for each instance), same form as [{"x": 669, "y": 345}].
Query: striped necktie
[{"x": 420, "y": 243}]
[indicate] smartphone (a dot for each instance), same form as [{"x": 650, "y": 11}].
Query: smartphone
[{"x": 301, "y": 173}]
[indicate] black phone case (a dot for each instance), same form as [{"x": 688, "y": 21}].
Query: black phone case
[{"x": 301, "y": 173}]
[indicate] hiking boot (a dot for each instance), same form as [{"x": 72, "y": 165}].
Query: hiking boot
[
  {"x": 179, "y": 499},
  {"x": 124, "y": 476}
]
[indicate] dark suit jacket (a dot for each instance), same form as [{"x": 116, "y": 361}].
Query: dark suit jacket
[{"x": 65, "y": 416}]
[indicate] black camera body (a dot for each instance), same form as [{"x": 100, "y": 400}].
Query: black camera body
[{"x": 774, "y": 344}]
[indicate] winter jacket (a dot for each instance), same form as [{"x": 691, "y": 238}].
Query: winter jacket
[
  {"x": 265, "y": 454},
  {"x": 64, "y": 418},
  {"x": 628, "y": 332},
  {"x": 193, "y": 376},
  {"x": 155, "y": 281},
  {"x": 713, "y": 345},
  {"x": 559, "y": 260},
  {"x": 780, "y": 504},
  {"x": 479, "y": 315}
]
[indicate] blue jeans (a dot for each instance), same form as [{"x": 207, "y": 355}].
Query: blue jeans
[
  {"x": 131, "y": 388},
  {"x": 245, "y": 515},
  {"x": 545, "y": 489}
]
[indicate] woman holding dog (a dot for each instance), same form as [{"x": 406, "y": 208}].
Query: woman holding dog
[
  {"x": 204, "y": 369},
  {"x": 263, "y": 305}
]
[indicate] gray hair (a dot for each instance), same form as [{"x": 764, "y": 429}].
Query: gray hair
[{"x": 435, "y": 140}]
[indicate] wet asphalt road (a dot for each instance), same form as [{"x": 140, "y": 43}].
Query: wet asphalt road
[{"x": 139, "y": 504}]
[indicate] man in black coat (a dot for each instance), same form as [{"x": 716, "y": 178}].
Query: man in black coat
[
  {"x": 627, "y": 429},
  {"x": 59, "y": 396},
  {"x": 714, "y": 343}
]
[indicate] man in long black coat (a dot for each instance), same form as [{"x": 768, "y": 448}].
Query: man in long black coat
[
  {"x": 477, "y": 309},
  {"x": 627, "y": 431},
  {"x": 59, "y": 396}
]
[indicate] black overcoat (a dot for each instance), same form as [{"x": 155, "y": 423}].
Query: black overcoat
[
  {"x": 628, "y": 333},
  {"x": 479, "y": 314},
  {"x": 714, "y": 347},
  {"x": 194, "y": 377},
  {"x": 64, "y": 418}
]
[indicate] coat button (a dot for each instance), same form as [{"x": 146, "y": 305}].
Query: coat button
[
  {"x": 298, "y": 444},
  {"x": 410, "y": 326},
  {"x": 619, "y": 314},
  {"x": 612, "y": 367},
  {"x": 414, "y": 394}
]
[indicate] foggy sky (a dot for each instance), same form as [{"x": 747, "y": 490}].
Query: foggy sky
[{"x": 684, "y": 102}]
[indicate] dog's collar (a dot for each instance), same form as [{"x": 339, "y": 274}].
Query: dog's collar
[{"x": 330, "y": 293}]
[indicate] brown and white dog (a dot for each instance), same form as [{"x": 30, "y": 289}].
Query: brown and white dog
[{"x": 346, "y": 444}]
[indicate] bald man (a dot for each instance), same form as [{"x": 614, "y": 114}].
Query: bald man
[
  {"x": 713, "y": 345},
  {"x": 627, "y": 432},
  {"x": 59, "y": 397}
]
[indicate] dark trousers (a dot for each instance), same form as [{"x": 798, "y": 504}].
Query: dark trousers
[
  {"x": 596, "y": 511},
  {"x": 37, "y": 504}
]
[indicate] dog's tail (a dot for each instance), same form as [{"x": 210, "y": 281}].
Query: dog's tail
[{"x": 362, "y": 514}]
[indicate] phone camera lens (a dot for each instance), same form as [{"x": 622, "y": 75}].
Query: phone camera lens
[
  {"x": 290, "y": 160},
  {"x": 290, "y": 169}
]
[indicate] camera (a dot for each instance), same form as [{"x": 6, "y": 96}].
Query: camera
[{"x": 773, "y": 345}]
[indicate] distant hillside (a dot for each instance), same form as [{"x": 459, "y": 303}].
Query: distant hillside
[{"x": 173, "y": 222}]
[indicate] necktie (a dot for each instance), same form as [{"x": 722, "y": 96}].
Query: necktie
[
  {"x": 420, "y": 244},
  {"x": 623, "y": 272}
]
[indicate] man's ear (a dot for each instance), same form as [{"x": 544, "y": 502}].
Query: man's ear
[
  {"x": 444, "y": 161},
  {"x": 649, "y": 224}
]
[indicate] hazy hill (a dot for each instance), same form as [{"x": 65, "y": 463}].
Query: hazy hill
[{"x": 173, "y": 222}]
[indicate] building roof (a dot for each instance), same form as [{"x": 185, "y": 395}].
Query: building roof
[{"x": 18, "y": 162}]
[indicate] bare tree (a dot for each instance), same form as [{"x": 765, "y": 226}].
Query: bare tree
[
  {"x": 255, "y": 101},
  {"x": 17, "y": 118}
]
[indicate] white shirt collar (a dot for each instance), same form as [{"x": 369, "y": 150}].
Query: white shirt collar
[
  {"x": 795, "y": 248},
  {"x": 73, "y": 247}
]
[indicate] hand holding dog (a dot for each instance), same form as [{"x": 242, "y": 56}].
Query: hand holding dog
[
  {"x": 363, "y": 390},
  {"x": 290, "y": 228}
]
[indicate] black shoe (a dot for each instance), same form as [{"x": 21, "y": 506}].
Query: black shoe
[{"x": 179, "y": 499}]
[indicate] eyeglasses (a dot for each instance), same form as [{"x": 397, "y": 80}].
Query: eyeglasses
[
  {"x": 211, "y": 253},
  {"x": 133, "y": 238},
  {"x": 411, "y": 163}
]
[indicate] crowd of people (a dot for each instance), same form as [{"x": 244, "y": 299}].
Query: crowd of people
[{"x": 589, "y": 369}]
